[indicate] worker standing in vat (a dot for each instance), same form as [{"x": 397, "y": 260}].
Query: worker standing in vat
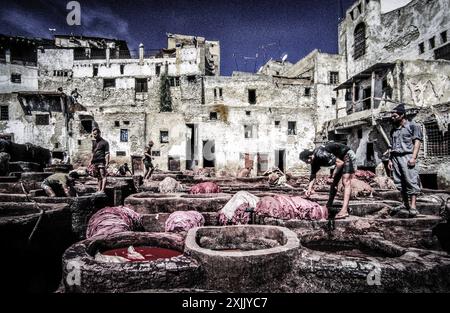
[
  {"x": 4, "y": 156},
  {"x": 60, "y": 184},
  {"x": 344, "y": 159},
  {"x": 406, "y": 138},
  {"x": 100, "y": 158},
  {"x": 149, "y": 168}
]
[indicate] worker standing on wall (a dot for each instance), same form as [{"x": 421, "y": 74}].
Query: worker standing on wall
[
  {"x": 344, "y": 159},
  {"x": 406, "y": 138},
  {"x": 100, "y": 158},
  {"x": 149, "y": 168}
]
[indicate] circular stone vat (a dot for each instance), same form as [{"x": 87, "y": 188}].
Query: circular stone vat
[
  {"x": 243, "y": 257},
  {"x": 344, "y": 263},
  {"x": 92, "y": 275},
  {"x": 33, "y": 245},
  {"x": 150, "y": 203}
]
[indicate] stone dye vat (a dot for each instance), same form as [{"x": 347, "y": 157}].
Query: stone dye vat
[
  {"x": 33, "y": 239},
  {"x": 83, "y": 273},
  {"x": 366, "y": 264},
  {"x": 156, "y": 208},
  {"x": 150, "y": 203},
  {"x": 410, "y": 232},
  {"x": 80, "y": 208},
  {"x": 244, "y": 257}
]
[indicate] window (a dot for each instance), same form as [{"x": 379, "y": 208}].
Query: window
[
  {"x": 174, "y": 81},
  {"x": 248, "y": 131},
  {"x": 359, "y": 8},
  {"x": 421, "y": 48},
  {"x": 213, "y": 116},
  {"x": 16, "y": 78},
  {"x": 437, "y": 143},
  {"x": 95, "y": 70},
  {"x": 164, "y": 136},
  {"x": 292, "y": 128},
  {"x": 61, "y": 73},
  {"x": 191, "y": 79},
  {"x": 334, "y": 78},
  {"x": 333, "y": 101},
  {"x": 432, "y": 42},
  {"x": 218, "y": 93},
  {"x": 360, "y": 133},
  {"x": 248, "y": 113},
  {"x": 252, "y": 96},
  {"x": 360, "y": 41},
  {"x": 124, "y": 135},
  {"x": 121, "y": 153},
  {"x": 42, "y": 119},
  {"x": 352, "y": 16},
  {"x": 307, "y": 92},
  {"x": 122, "y": 69},
  {"x": 116, "y": 123},
  {"x": 109, "y": 83},
  {"x": 444, "y": 37},
  {"x": 277, "y": 124},
  {"x": 4, "y": 113},
  {"x": 370, "y": 152},
  {"x": 141, "y": 85},
  {"x": 79, "y": 142},
  {"x": 86, "y": 126},
  {"x": 126, "y": 122},
  {"x": 158, "y": 69},
  {"x": 156, "y": 153}
]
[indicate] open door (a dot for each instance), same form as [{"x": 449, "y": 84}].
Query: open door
[
  {"x": 209, "y": 157},
  {"x": 280, "y": 159}
]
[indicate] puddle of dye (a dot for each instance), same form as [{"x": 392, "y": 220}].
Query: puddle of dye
[{"x": 149, "y": 253}]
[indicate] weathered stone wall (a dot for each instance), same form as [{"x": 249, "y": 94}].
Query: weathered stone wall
[
  {"x": 29, "y": 78},
  {"x": 393, "y": 35},
  {"x": 24, "y": 128}
]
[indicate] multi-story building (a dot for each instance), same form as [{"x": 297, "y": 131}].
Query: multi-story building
[{"x": 175, "y": 97}]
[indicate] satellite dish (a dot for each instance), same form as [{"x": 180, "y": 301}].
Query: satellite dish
[{"x": 284, "y": 58}]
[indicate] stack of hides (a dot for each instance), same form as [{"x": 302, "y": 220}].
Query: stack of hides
[
  {"x": 286, "y": 207},
  {"x": 111, "y": 220},
  {"x": 208, "y": 187},
  {"x": 237, "y": 210},
  {"x": 169, "y": 185},
  {"x": 182, "y": 221}
]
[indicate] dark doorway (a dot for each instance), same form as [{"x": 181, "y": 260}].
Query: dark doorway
[
  {"x": 191, "y": 146},
  {"x": 429, "y": 181},
  {"x": 209, "y": 158},
  {"x": 174, "y": 163},
  {"x": 137, "y": 167},
  {"x": 280, "y": 159},
  {"x": 263, "y": 164}
]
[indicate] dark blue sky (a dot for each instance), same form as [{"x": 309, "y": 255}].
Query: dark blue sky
[{"x": 243, "y": 27}]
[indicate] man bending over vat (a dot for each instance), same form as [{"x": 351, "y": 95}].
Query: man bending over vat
[
  {"x": 340, "y": 155},
  {"x": 60, "y": 184}
]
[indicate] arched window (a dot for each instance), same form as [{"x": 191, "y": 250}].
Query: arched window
[{"x": 360, "y": 41}]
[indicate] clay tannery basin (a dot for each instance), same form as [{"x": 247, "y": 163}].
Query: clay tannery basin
[
  {"x": 169, "y": 269},
  {"x": 239, "y": 258}
]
